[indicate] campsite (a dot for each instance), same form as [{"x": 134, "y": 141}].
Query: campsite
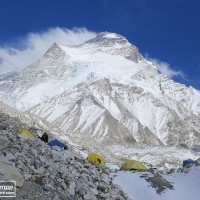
[{"x": 99, "y": 100}]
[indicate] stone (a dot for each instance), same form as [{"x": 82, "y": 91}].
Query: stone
[
  {"x": 64, "y": 174},
  {"x": 53, "y": 168},
  {"x": 24, "y": 169},
  {"x": 63, "y": 185},
  {"x": 27, "y": 176},
  {"x": 89, "y": 196},
  {"x": 62, "y": 195},
  {"x": 37, "y": 164},
  {"x": 39, "y": 171},
  {"x": 63, "y": 169},
  {"x": 105, "y": 178},
  {"x": 42, "y": 159},
  {"x": 60, "y": 180},
  {"x": 82, "y": 191},
  {"x": 71, "y": 188},
  {"x": 68, "y": 155},
  {"x": 117, "y": 197},
  {"x": 104, "y": 195},
  {"x": 68, "y": 178},
  {"x": 26, "y": 146},
  {"x": 34, "y": 152},
  {"x": 4, "y": 143},
  {"x": 55, "y": 196},
  {"x": 102, "y": 187},
  {"x": 48, "y": 186},
  {"x": 83, "y": 178},
  {"x": 94, "y": 191},
  {"x": 9, "y": 172}
]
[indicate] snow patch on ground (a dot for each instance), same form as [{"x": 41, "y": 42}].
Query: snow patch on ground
[{"x": 186, "y": 186}]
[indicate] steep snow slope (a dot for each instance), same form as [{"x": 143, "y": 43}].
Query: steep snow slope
[{"x": 89, "y": 108}]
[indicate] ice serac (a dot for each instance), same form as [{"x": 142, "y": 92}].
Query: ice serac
[{"x": 106, "y": 90}]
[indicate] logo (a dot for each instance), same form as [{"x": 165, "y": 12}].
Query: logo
[{"x": 7, "y": 188}]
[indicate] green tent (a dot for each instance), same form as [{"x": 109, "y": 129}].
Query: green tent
[{"x": 134, "y": 165}]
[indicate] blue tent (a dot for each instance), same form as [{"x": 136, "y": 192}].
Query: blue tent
[
  {"x": 57, "y": 143},
  {"x": 189, "y": 162}
]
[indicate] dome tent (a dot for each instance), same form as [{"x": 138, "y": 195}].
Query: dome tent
[
  {"x": 189, "y": 162},
  {"x": 198, "y": 160},
  {"x": 26, "y": 133},
  {"x": 57, "y": 143},
  {"x": 96, "y": 159},
  {"x": 134, "y": 165}
]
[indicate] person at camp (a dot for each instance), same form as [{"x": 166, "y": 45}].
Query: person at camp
[
  {"x": 44, "y": 138},
  {"x": 65, "y": 147}
]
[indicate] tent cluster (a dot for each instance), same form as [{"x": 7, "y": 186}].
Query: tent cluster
[
  {"x": 27, "y": 134},
  {"x": 96, "y": 158},
  {"x": 134, "y": 164},
  {"x": 130, "y": 165},
  {"x": 92, "y": 158}
]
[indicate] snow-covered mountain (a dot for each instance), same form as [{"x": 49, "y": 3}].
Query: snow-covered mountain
[{"x": 106, "y": 90}]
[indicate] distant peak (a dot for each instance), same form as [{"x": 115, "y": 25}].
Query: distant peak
[
  {"x": 54, "y": 45},
  {"x": 54, "y": 49}
]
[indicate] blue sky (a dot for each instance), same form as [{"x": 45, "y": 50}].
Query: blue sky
[{"x": 166, "y": 30}]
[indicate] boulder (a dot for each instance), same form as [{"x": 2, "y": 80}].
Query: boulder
[
  {"x": 11, "y": 173},
  {"x": 4, "y": 143}
]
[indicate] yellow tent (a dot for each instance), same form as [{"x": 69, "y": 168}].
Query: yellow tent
[
  {"x": 26, "y": 133},
  {"x": 95, "y": 158},
  {"x": 133, "y": 164},
  {"x": 198, "y": 160}
]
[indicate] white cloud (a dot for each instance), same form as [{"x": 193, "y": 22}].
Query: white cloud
[
  {"x": 165, "y": 68},
  {"x": 34, "y": 45}
]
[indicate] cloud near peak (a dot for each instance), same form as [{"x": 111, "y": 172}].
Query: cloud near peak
[
  {"x": 165, "y": 68},
  {"x": 31, "y": 47}
]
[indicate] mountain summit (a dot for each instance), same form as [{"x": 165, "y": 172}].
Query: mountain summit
[
  {"x": 105, "y": 91},
  {"x": 115, "y": 44}
]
